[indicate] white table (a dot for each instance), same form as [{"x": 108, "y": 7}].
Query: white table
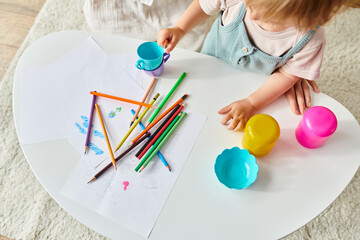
[{"x": 294, "y": 184}]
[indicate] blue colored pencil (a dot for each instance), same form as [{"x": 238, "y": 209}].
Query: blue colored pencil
[{"x": 158, "y": 153}]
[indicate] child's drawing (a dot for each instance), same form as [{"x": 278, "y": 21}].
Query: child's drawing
[
  {"x": 97, "y": 150},
  {"x": 99, "y": 134},
  {"x": 112, "y": 114},
  {"x": 126, "y": 184},
  {"x": 86, "y": 121},
  {"x": 81, "y": 129}
]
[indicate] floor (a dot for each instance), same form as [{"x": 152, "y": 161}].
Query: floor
[{"x": 16, "y": 19}]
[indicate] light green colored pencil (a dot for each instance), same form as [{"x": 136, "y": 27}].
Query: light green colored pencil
[
  {"x": 136, "y": 123},
  {"x": 167, "y": 97},
  {"x": 162, "y": 141},
  {"x": 157, "y": 142}
]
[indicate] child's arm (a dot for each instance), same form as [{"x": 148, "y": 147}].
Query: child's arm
[
  {"x": 299, "y": 96},
  {"x": 241, "y": 111},
  {"x": 191, "y": 18}
]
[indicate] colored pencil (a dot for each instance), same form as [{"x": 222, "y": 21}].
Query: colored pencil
[
  {"x": 158, "y": 129},
  {"x": 162, "y": 158},
  {"x": 167, "y": 96},
  {"x": 160, "y": 117},
  {"x": 119, "y": 157},
  {"x": 87, "y": 141},
  {"x": 121, "y": 99},
  {"x": 158, "y": 134},
  {"x": 136, "y": 123},
  {"x": 158, "y": 140},
  {"x": 163, "y": 141},
  {"x": 106, "y": 136},
  {"x": 143, "y": 100},
  {"x": 166, "y": 44}
]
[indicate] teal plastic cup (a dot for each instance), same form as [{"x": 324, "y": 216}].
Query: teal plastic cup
[
  {"x": 151, "y": 56},
  {"x": 236, "y": 168}
]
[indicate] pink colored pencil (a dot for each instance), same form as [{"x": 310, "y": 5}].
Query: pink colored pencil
[{"x": 143, "y": 100}]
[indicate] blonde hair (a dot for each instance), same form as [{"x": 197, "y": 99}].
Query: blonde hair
[{"x": 306, "y": 14}]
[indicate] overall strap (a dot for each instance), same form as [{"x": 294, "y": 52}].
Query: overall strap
[
  {"x": 303, "y": 41},
  {"x": 242, "y": 11}
]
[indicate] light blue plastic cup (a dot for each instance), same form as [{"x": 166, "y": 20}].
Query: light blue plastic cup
[
  {"x": 236, "y": 168},
  {"x": 151, "y": 56}
]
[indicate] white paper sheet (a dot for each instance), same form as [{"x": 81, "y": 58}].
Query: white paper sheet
[
  {"x": 62, "y": 90},
  {"x": 35, "y": 123},
  {"x": 134, "y": 199},
  {"x": 127, "y": 62}
]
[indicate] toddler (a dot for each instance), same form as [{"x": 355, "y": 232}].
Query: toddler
[{"x": 282, "y": 38}]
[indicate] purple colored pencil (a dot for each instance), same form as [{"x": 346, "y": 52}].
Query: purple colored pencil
[{"x": 87, "y": 141}]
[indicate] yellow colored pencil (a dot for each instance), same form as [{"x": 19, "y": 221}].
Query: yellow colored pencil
[
  {"x": 106, "y": 136},
  {"x": 136, "y": 123}
]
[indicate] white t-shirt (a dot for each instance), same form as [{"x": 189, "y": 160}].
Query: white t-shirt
[{"x": 305, "y": 64}]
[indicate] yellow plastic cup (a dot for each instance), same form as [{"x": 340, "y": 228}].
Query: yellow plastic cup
[{"x": 260, "y": 134}]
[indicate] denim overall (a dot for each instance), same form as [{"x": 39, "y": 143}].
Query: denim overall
[{"x": 231, "y": 44}]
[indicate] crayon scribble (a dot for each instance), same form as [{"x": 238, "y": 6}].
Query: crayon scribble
[
  {"x": 97, "y": 150},
  {"x": 81, "y": 129},
  {"x": 112, "y": 114},
  {"x": 118, "y": 109},
  {"x": 86, "y": 121},
  {"x": 97, "y": 133},
  {"x": 126, "y": 184}
]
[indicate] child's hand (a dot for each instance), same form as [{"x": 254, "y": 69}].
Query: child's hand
[
  {"x": 299, "y": 95},
  {"x": 169, "y": 38},
  {"x": 239, "y": 113}
]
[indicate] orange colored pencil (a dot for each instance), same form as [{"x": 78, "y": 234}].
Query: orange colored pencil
[
  {"x": 159, "y": 118},
  {"x": 122, "y": 99},
  {"x": 143, "y": 100},
  {"x": 106, "y": 136}
]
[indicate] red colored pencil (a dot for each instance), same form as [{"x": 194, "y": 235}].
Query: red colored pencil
[{"x": 161, "y": 131}]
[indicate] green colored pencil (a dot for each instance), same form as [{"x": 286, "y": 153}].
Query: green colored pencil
[
  {"x": 157, "y": 142},
  {"x": 162, "y": 141},
  {"x": 167, "y": 96}
]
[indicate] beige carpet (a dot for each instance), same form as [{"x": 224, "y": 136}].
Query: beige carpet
[{"x": 28, "y": 212}]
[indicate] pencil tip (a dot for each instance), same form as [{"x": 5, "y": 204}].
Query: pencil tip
[
  {"x": 168, "y": 167},
  {"x": 142, "y": 168},
  {"x": 86, "y": 149},
  {"x": 92, "y": 180}
]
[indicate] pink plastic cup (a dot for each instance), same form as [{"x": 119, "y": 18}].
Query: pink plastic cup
[{"x": 316, "y": 126}]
